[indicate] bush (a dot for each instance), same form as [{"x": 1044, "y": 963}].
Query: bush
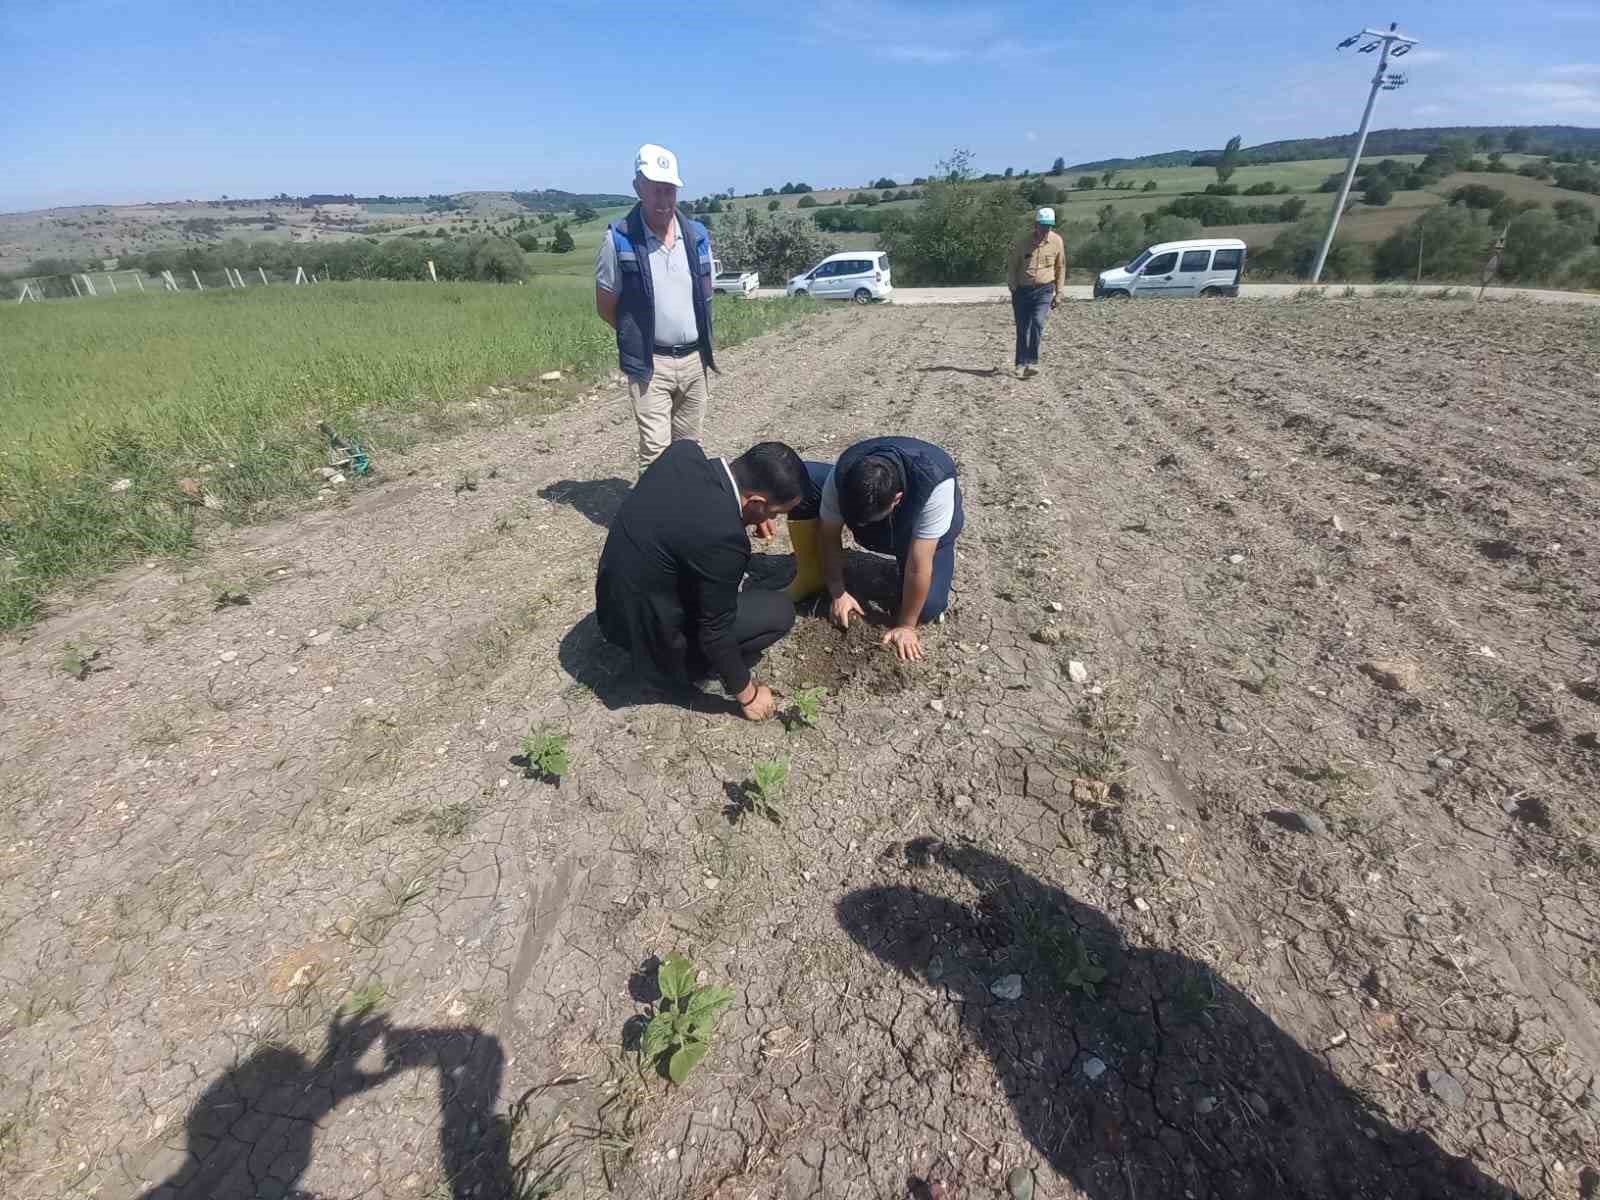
[
  {"x": 1575, "y": 210},
  {"x": 887, "y": 194},
  {"x": 1264, "y": 188},
  {"x": 562, "y": 243},
  {"x": 1086, "y": 182},
  {"x": 1149, "y": 186},
  {"x": 1114, "y": 242},
  {"x": 1537, "y": 244},
  {"x": 500, "y": 260},
  {"x": 773, "y": 205},
  {"x": 1583, "y": 272},
  {"x": 960, "y": 234},
  {"x": 807, "y": 201},
  {"x": 1453, "y": 242},
  {"x": 528, "y": 242},
  {"x": 1378, "y": 193},
  {"x": 777, "y": 246},
  {"x": 865, "y": 198},
  {"x": 885, "y": 182},
  {"x": 1222, "y": 189},
  {"x": 583, "y": 213},
  {"x": 1578, "y": 179},
  {"x": 1477, "y": 195},
  {"x": 1295, "y": 252},
  {"x": 1164, "y": 227},
  {"x": 1037, "y": 192}
]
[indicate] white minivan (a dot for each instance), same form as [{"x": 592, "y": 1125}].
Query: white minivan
[
  {"x": 1202, "y": 267},
  {"x": 859, "y": 275}
]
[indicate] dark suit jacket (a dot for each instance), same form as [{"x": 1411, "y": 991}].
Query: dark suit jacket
[{"x": 668, "y": 587}]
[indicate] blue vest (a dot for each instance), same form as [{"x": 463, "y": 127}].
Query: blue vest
[
  {"x": 636, "y": 297},
  {"x": 924, "y": 467}
]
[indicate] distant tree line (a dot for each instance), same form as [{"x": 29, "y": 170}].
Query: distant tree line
[{"x": 485, "y": 258}]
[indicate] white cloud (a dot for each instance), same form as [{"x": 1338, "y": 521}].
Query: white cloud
[
  {"x": 1575, "y": 70},
  {"x": 1423, "y": 57},
  {"x": 1031, "y": 135},
  {"x": 1557, "y": 96},
  {"x": 1430, "y": 110}
]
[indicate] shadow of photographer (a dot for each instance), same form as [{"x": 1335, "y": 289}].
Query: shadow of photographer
[{"x": 1135, "y": 1071}]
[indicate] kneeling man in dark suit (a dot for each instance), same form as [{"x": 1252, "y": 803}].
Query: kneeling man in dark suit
[{"x": 668, "y": 588}]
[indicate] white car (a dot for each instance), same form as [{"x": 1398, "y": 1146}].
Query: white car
[
  {"x": 737, "y": 283},
  {"x": 1202, "y": 267},
  {"x": 859, "y": 275}
]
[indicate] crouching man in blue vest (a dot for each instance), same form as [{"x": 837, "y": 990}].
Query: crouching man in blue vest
[{"x": 899, "y": 496}]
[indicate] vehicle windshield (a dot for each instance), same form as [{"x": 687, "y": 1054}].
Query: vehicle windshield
[{"x": 1136, "y": 263}]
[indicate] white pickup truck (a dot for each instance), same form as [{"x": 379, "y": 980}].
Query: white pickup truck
[{"x": 737, "y": 283}]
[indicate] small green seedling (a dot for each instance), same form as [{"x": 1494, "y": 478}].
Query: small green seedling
[
  {"x": 1076, "y": 967},
  {"x": 467, "y": 482},
  {"x": 79, "y": 663},
  {"x": 770, "y": 776},
  {"x": 805, "y": 709},
  {"x": 686, "y": 1016},
  {"x": 547, "y": 754}
]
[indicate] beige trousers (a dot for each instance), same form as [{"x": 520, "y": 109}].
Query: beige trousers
[{"x": 671, "y": 404}]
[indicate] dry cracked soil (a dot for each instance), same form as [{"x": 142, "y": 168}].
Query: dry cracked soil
[{"x": 1292, "y": 894}]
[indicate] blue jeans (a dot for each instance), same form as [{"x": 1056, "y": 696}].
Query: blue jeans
[{"x": 1030, "y": 305}]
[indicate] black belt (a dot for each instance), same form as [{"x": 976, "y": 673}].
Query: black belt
[{"x": 682, "y": 351}]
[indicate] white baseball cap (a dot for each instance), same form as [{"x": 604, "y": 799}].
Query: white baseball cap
[
  {"x": 1045, "y": 216},
  {"x": 658, "y": 164}
]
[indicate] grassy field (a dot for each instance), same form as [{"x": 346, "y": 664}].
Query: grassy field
[{"x": 226, "y": 388}]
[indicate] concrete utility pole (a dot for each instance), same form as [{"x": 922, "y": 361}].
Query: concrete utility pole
[{"x": 1394, "y": 45}]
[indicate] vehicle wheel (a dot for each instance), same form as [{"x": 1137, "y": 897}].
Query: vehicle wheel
[
  {"x": 801, "y": 293},
  {"x": 1212, "y": 293},
  {"x": 1119, "y": 294},
  {"x": 862, "y": 296}
]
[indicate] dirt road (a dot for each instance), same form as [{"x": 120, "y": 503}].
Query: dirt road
[{"x": 1292, "y": 894}]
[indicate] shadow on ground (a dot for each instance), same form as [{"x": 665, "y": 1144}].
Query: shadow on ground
[
  {"x": 250, "y": 1134},
  {"x": 979, "y": 372},
  {"x": 1159, "y": 1080},
  {"x": 608, "y": 672},
  {"x": 597, "y": 499}
]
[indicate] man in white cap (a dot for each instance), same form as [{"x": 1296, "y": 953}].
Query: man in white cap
[
  {"x": 1037, "y": 273},
  {"x": 653, "y": 285}
]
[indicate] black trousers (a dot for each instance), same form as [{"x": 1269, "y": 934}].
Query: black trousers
[{"x": 764, "y": 616}]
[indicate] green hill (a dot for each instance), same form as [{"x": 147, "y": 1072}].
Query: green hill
[{"x": 1380, "y": 142}]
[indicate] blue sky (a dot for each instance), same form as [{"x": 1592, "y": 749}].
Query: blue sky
[{"x": 114, "y": 101}]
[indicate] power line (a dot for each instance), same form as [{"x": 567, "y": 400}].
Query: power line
[{"x": 1393, "y": 45}]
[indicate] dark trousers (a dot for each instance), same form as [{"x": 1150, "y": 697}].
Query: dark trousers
[
  {"x": 1030, "y": 305},
  {"x": 764, "y": 616},
  {"x": 944, "y": 570}
]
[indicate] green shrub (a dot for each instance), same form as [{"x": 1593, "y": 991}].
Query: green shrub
[
  {"x": 1453, "y": 243},
  {"x": 960, "y": 234},
  {"x": 1378, "y": 193},
  {"x": 774, "y": 205},
  {"x": 807, "y": 201},
  {"x": 562, "y": 243},
  {"x": 1538, "y": 244},
  {"x": 1294, "y": 252},
  {"x": 1264, "y": 188}
]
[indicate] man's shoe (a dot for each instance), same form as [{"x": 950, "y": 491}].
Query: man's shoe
[
  {"x": 1020, "y": 372},
  {"x": 1029, "y": 371}
]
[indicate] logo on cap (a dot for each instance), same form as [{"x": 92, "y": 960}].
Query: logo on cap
[{"x": 661, "y": 161}]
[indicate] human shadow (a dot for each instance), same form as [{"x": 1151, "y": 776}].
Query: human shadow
[
  {"x": 609, "y": 673},
  {"x": 250, "y": 1134},
  {"x": 977, "y": 372},
  {"x": 597, "y": 499},
  {"x": 1136, "y": 1071}
]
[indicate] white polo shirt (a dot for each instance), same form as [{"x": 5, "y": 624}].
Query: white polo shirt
[{"x": 671, "y": 278}]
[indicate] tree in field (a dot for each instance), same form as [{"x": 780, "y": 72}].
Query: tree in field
[
  {"x": 1059, "y": 167},
  {"x": 957, "y": 168},
  {"x": 1453, "y": 244},
  {"x": 777, "y": 246},
  {"x": 1086, "y": 182},
  {"x": 1378, "y": 192},
  {"x": 1484, "y": 141},
  {"x": 497, "y": 260},
  {"x": 960, "y": 233},
  {"x": 1106, "y": 177},
  {"x": 807, "y": 202},
  {"x": 1149, "y": 185},
  {"x": 773, "y": 205},
  {"x": 1010, "y": 172},
  {"x": 583, "y": 213},
  {"x": 1517, "y": 140},
  {"x": 1229, "y": 162},
  {"x": 885, "y": 182},
  {"x": 562, "y": 243},
  {"x": 1537, "y": 243},
  {"x": 528, "y": 242}
]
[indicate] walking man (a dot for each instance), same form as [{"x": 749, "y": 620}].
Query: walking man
[
  {"x": 668, "y": 585},
  {"x": 653, "y": 285},
  {"x": 1037, "y": 273}
]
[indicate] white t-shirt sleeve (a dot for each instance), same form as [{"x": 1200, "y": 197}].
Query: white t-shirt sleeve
[
  {"x": 828, "y": 506},
  {"x": 938, "y": 513},
  {"x": 605, "y": 264}
]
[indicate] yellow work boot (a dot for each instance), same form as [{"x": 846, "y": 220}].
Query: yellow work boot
[{"x": 807, "y": 560}]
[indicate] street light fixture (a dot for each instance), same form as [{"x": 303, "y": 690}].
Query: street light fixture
[{"x": 1395, "y": 45}]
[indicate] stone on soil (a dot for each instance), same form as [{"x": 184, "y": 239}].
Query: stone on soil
[
  {"x": 1020, "y": 1183},
  {"x": 1007, "y": 987},
  {"x": 1392, "y": 674},
  {"x": 1093, "y": 1067},
  {"x": 550, "y": 377},
  {"x": 1077, "y": 672},
  {"x": 1298, "y": 822},
  {"x": 1447, "y": 1088},
  {"x": 1047, "y": 635}
]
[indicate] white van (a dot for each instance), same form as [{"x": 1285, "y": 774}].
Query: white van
[
  {"x": 1202, "y": 267},
  {"x": 859, "y": 275}
]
